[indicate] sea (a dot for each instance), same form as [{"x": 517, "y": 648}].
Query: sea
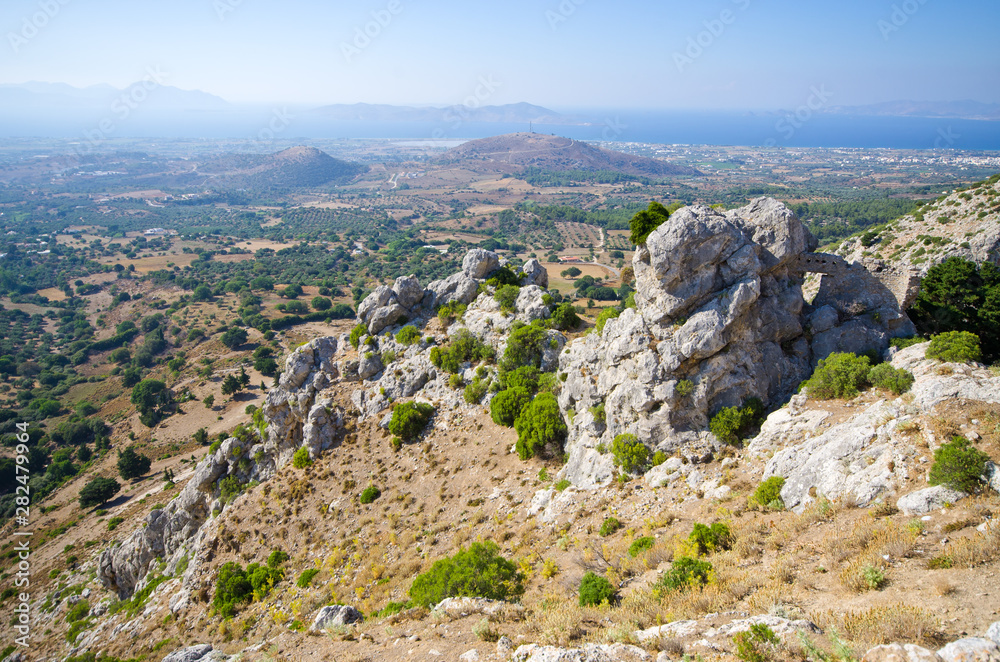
[{"x": 268, "y": 124}]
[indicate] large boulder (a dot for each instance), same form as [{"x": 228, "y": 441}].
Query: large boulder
[
  {"x": 456, "y": 288},
  {"x": 971, "y": 649},
  {"x": 335, "y": 615},
  {"x": 479, "y": 263},
  {"x": 900, "y": 653},
  {"x": 928, "y": 499},
  {"x": 535, "y": 274},
  {"x": 408, "y": 291}
]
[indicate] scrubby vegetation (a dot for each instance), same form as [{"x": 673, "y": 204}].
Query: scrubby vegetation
[
  {"x": 478, "y": 571},
  {"x": 409, "y": 419},
  {"x": 595, "y": 590},
  {"x": 955, "y": 347},
  {"x": 630, "y": 454},
  {"x": 959, "y": 465},
  {"x": 731, "y": 425}
]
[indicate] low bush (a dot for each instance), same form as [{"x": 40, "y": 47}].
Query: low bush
[
  {"x": 301, "y": 459},
  {"x": 604, "y": 316},
  {"x": 305, "y": 579},
  {"x": 463, "y": 347},
  {"x": 539, "y": 425},
  {"x": 758, "y": 644},
  {"x": 356, "y": 333},
  {"x": 903, "y": 343},
  {"x": 408, "y": 335},
  {"x": 768, "y": 493},
  {"x": 475, "y": 391},
  {"x": 409, "y": 419},
  {"x": 525, "y": 377},
  {"x": 276, "y": 558},
  {"x": 886, "y": 377},
  {"x": 731, "y": 425},
  {"x": 595, "y": 590},
  {"x": 565, "y": 318},
  {"x": 630, "y": 454},
  {"x": 707, "y": 539},
  {"x": 609, "y": 526},
  {"x": 840, "y": 375},
  {"x": 478, "y": 571},
  {"x": 640, "y": 545},
  {"x": 507, "y": 405},
  {"x": 955, "y": 347},
  {"x": 686, "y": 573},
  {"x": 369, "y": 494},
  {"x": 959, "y": 465},
  {"x": 506, "y": 296}
]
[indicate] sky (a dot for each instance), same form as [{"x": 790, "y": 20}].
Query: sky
[{"x": 562, "y": 54}]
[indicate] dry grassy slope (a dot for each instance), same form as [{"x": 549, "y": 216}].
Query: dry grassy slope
[
  {"x": 939, "y": 230},
  {"x": 460, "y": 484}
]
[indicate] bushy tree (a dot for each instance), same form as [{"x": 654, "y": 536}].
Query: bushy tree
[
  {"x": 478, "y": 571},
  {"x": 629, "y": 453},
  {"x": 565, "y": 318},
  {"x": 604, "y": 316},
  {"x": 506, "y": 405},
  {"x": 595, "y": 589},
  {"x": 132, "y": 464},
  {"x": 525, "y": 346},
  {"x": 409, "y": 419},
  {"x": 506, "y": 296},
  {"x": 98, "y": 491},
  {"x": 955, "y": 347},
  {"x": 539, "y": 425},
  {"x": 321, "y": 303},
  {"x": 233, "y": 337},
  {"x": 959, "y": 465},
  {"x": 231, "y": 385},
  {"x": 840, "y": 375},
  {"x": 232, "y": 587},
  {"x": 647, "y": 220}
]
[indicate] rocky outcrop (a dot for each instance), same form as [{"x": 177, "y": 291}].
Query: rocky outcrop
[
  {"x": 900, "y": 653},
  {"x": 534, "y": 274},
  {"x": 971, "y": 649},
  {"x": 719, "y": 307},
  {"x": 388, "y": 305},
  {"x": 292, "y": 418},
  {"x": 586, "y": 653},
  {"x": 479, "y": 263},
  {"x": 924, "y": 501}
]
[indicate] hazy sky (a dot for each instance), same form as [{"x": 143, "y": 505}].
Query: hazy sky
[{"x": 740, "y": 54}]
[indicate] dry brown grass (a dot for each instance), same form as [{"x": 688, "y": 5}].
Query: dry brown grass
[
  {"x": 974, "y": 550},
  {"x": 882, "y": 625}
]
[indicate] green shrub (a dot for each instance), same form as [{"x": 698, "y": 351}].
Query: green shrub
[
  {"x": 886, "y": 377},
  {"x": 595, "y": 590},
  {"x": 647, "y": 220},
  {"x": 599, "y": 413},
  {"x": 525, "y": 377},
  {"x": 565, "y": 318},
  {"x": 659, "y": 457},
  {"x": 630, "y": 454},
  {"x": 369, "y": 494},
  {"x": 758, "y": 644},
  {"x": 731, "y": 425},
  {"x": 356, "y": 333},
  {"x": 640, "y": 545},
  {"x": 230, "y": 487},
  {"x": 232, "y": 587},
  {"x": 301, "y": 459},
  {"x": 408, "y": 335},
  {"x": 955, "y": 347},
  {"x": 478, "y": 571},
  {"x": 609, "y": 526},
  {"x": 305, "y": 579},
  {"x": 684, "y": 388},
  {"x": 685, "y": 573},
  {"x": 114, "y": 522},
  {"x": 539, "y": 424},
  {"x": 707, "y": 539},
  {"x": 604, "y": 316},
  {"x": 525, "y": 346},
  {"x": 456, "y": 381},
  {"x": 562, "y": 485},
  {"x": 409, "y": 419},
  {"x": 463, "y": 347},
  {"x": 276, "y": 558},
  {"x": 507, "y": 405},
  {"x": 768, "y": 493},
  {"x": 840, "y": 375},
  {"x": 475, "y": 391},
  {"x": 506, "y": 296},
  {"x": 959, "y": 465},
  {"x": 78, "y": 611}
]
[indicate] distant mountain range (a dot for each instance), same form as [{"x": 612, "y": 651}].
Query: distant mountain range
[
  {"x": 509, "y": 113},
  {"x": 515, "y": 151},
  {"x": 60, "y": 96},
  {"x": 969, "y": 110}
]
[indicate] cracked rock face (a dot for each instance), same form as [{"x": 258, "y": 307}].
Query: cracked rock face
[{"x": 719, "y": 310}]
